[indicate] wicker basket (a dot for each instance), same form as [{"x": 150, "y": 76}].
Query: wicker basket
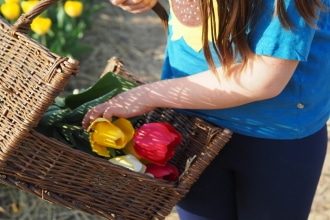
[{"x": 32, "y": 77}]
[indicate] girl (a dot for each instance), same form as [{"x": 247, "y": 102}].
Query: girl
[{"x": 261, "y": 69}]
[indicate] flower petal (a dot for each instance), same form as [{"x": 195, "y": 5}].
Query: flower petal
[
  {"x": 28, "y": 5},
  {"x": 168, "y": 172},
  {"x": 107, "y": 134},
  {"x": 156, "y": 141},
  {"x": 41, "y": 25},
  {"x": 100, "y": 150},
  {"x": 73, "y": 8},
  {"x": 129, "y": 149},
  {"x": 110, "y": 134},
  {"x": 10, "y": 10},
  {"x": 129, "y": 161},
  {"x": 126, "y": 127}
]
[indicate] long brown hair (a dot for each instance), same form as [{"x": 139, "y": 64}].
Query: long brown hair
[{"x": 230, "y": 39}]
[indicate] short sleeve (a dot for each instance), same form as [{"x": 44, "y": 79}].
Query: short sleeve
[{"x": 267, "y": 36}]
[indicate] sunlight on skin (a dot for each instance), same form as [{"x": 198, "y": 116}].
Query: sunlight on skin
[{"x": 262, "y": 78}]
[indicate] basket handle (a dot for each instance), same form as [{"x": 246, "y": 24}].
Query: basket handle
[{"x": 23, "y": 23}]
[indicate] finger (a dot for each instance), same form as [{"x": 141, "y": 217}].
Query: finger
[
  {"x": 132, "y": 2},
  {"x": 93, "y": 114},
  {"x": 86, "y": 121},
  {"x": 117, "y": 2},
  {"x": 108, "y": 113},
  {"x": 136, "y": 7}
]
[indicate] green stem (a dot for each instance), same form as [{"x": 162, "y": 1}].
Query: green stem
[{"x": 43, "y": 40}]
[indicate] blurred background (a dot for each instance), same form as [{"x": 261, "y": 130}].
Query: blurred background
[{"x": 93, "y": 31}]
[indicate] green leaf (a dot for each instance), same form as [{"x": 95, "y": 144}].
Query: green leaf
[
  {"x": 115, "y": 152},
  {"x": 74, "y": 136},
  {"x": 76, "y": 115},
  {"x": 53, "y": 107},
  {"x": 64, "y": 124},
  {"x": 59, "y": 101},
  {"x": 45, "y": 130},
  {"x": 108, "y": 82},
  {"x": 52, "y": 117},
  {"x": 58, "y": 135}
]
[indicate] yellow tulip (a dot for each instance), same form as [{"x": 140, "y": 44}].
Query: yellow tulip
[
  {"x": 129, "y": 149},
  {"x": 28, "y": 5},
  {"x": 73, "y": 8},
  {"x": 41, "y": 25},
  {"x": 10, "y": 11},
  {"x": 104, "y": 134},
  {"x": 12, "y": 1}
]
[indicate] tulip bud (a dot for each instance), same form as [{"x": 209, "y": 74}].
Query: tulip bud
[
  {"x": 41, "y": 25},
  {"x": 12, "y": 1},
  {"x": 73, "y": 8},
  {"x": 10, "y": 11},
  {"x": 155, "y": 142},
  {"x": 28, "y": 5},
  {"x": 104, "y": 134}
]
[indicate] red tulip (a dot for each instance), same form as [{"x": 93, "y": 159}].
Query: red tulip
[
  {"x": 168, "y": 172},
  {"x": 155, "y": 142}
]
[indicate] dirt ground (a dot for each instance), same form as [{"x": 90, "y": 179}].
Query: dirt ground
[{"x": 139, "y": 41}]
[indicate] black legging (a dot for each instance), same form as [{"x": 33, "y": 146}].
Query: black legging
[{"x": 258, "y": 179}]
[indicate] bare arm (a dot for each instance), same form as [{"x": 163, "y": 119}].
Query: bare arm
[{"x": 263, "y": 78}]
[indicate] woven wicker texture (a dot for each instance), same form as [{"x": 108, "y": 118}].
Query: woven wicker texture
[
  {"x": 31, "y": 78},
  {"x": 60, "y": 174}
]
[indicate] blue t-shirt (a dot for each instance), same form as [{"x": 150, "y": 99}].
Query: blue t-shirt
[{"x": 303, "y": 106}]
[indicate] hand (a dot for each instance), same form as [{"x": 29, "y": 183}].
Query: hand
[
  {"x": 134, "y": 6},
  {"x": 125, "y": 105}
]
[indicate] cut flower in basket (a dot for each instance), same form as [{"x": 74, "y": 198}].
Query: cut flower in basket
[
  {"x": 153, "y": 144},
  {"x": 117, "y": 141},
  {"x": 156, "y": 141},
  {"x": 168, "y": 172},
  {"x": 62, "y": 120},
  {"x": 105, "y": 134}
]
